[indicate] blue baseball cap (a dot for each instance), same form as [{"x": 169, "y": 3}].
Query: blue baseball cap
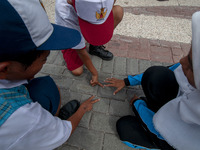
[{"x": 24, "y": 26}]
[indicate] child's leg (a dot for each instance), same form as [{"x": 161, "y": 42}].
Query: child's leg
[
  {"x": 44, "y": 91},
  {"x": 73, "y": 61},
  {"x": 133, "y": 134},
  {"x": 136, "y": 79},
  {"x": 58, "y": 110},
  {"x": 118, "y": 14},
  {"x": 160, "y": 86},
  {"x": 78, "y": 71}
]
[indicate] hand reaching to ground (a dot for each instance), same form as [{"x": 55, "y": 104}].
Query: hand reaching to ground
[
  {"x": 113, "y": 82},
  {"x": 85, "y": 106},
  {"x": 69, "y": 2},
  {"x": 88, "y": 104},
  {"x": 94, "y": 81},
  {"x": 133, "y": 99}
]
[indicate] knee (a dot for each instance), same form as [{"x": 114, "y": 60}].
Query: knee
[
  {"x": 125, "y": 126},
  {"x": 157, "y": 72},
  {"x": 119, "y": 123},
  {"x": 159, "y": 83},
  {"x": 152, "y": 75},
  {"x": 151, "y": 70},
  {"x": 123, "y": 122},
  {"x": 118, "y": 13},
  {"x": 120, "y": 126},
  {"x": 78, "y": 71}
]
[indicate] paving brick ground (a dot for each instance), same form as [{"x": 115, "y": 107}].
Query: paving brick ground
[
  {"x": 152, "y": 49},
  {"x": 147, "y": 49},
  {"x": 166, "y": 11},
  {"x": 96, "y": 130}
]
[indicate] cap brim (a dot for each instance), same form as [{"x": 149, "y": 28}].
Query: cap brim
[
  {"x": 97, "y": 34},
  {"x": 61, "y": 38}
]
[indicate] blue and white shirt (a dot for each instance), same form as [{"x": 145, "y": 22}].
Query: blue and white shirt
[{"x": 30, "y": 126}]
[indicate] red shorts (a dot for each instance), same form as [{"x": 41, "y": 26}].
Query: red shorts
[{"x": 72, "y": 59}]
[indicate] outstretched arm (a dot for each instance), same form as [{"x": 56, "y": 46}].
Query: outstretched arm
[
  {"x": 85, "y": 106},
  {"x": 132, "y": 80},
  {"x": 83, "y": 54},
  {"x": 120, "y": 84},
  {"x": 113, "y": 82}
]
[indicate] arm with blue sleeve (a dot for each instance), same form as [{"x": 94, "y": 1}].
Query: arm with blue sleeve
[
  {"x": 144, "y": 112},
  {"x": 146, "y": 116},
  {"x": 136, "y": 79}
]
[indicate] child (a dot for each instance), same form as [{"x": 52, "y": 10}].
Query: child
[
  {"x": 168, "y": 117},
  {"x": 96, "y": 20},
  {"x": 28, "y": 105}
]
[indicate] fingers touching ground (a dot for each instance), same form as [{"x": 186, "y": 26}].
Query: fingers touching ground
[
  {"x": 113, "y": 82},
  {"x": 88, "y": 104},
  {"x": 96, "y": 83}
]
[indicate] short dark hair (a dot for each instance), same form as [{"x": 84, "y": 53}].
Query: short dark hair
[
  {"x": 26, "y": 59},
  {"x": 29, "y": 58}
]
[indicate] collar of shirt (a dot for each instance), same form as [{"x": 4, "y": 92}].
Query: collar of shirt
[{"x": 4, "y": 84}]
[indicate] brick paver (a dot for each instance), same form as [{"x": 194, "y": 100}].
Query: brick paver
[{"x": 147, "y": 49}]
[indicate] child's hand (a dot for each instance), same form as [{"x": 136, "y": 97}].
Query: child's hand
[
  {"x": 133, "y": 99},
  {"x": 88, "y": 104},
  {"x": 95, "y": 81},
  {"x": 69, "y": 2},
  {"x": 119, "y": 84}
]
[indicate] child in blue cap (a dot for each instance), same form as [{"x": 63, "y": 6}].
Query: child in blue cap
[{"x": 28, "y": 105}]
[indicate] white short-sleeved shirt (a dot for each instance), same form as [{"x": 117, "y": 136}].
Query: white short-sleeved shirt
[
  {"x": 31, "y": 127},
  {"x": 65, "y": 15}
]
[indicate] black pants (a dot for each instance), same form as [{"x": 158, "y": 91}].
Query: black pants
[{"x": 160, "y": 86}]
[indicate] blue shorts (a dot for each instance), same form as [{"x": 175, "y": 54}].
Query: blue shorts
[{"x": 44, "y": 91}]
